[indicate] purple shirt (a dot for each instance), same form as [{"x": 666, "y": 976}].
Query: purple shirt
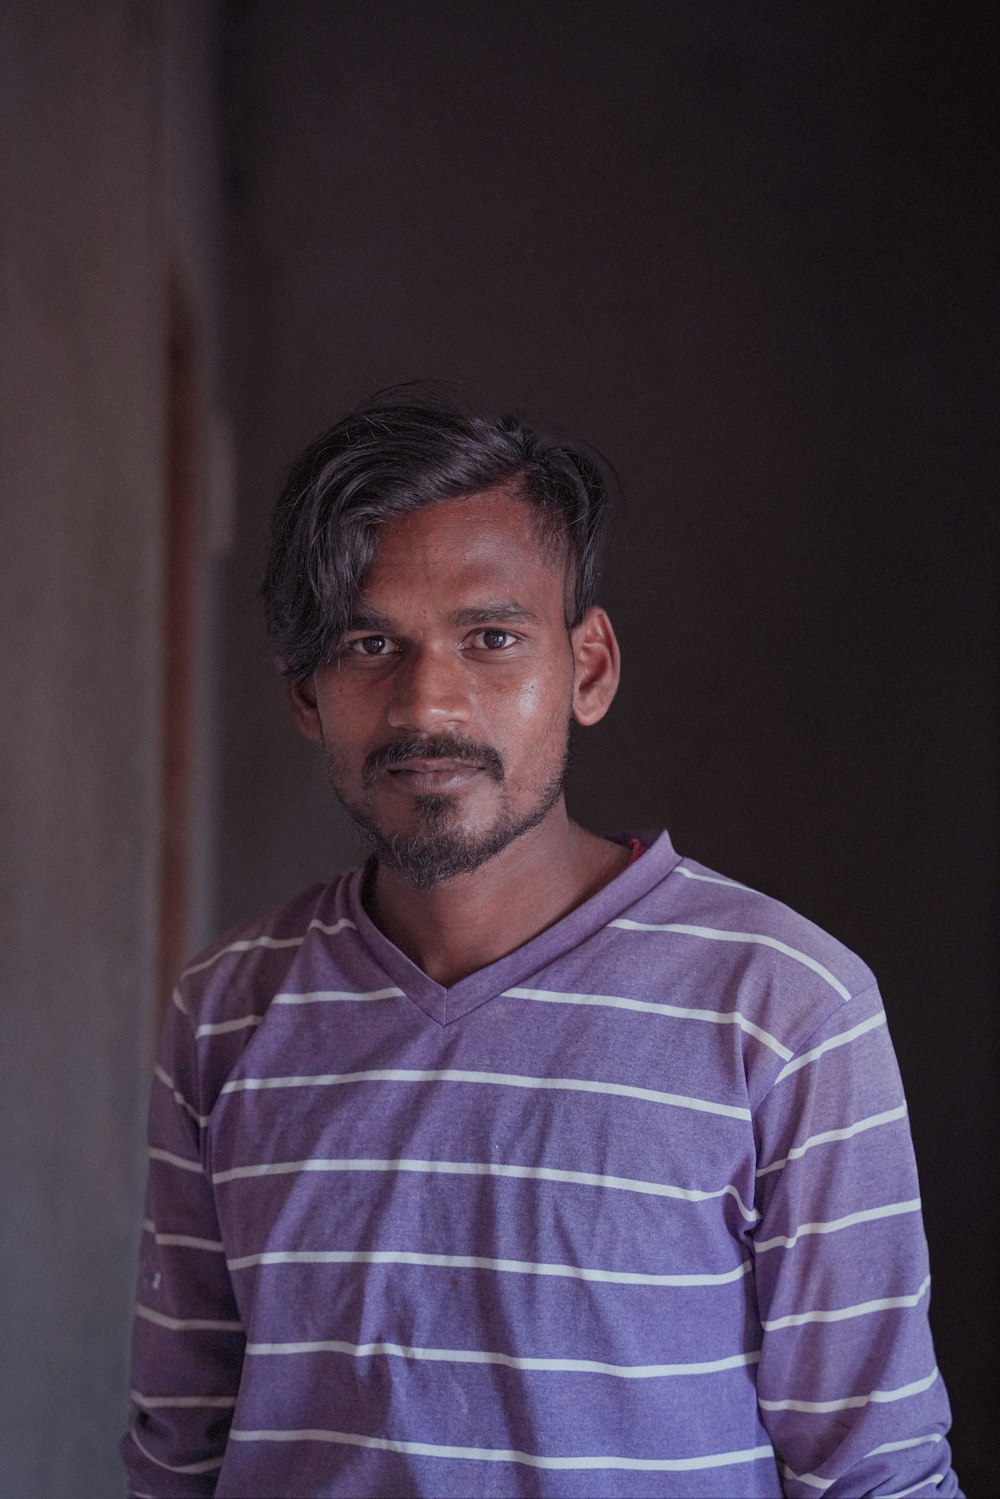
[{"x": 632, "y": 1211}]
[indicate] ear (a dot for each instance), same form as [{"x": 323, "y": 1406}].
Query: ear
[
  {"x": 302, "y": 701},
  {"x": 597, "y": 667}
]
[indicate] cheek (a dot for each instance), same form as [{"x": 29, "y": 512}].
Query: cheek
[
  {"x": 531, "y": 713},
  {"x": 346, "y": 720}
]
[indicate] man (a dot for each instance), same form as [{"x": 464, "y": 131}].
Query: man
[{"x": 521, "y": 1161}]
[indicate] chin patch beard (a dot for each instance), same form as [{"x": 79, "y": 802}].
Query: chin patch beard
[{"x": 438, "y": 851}]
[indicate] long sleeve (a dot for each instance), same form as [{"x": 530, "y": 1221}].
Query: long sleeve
[
  {"x": 188, "y": 1342},
  {"x": 847, "y": 1382}
]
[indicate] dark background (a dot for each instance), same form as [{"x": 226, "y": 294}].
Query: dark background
[{"x": 745, "y": 250}]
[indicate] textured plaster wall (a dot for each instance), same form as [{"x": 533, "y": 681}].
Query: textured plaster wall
[{"x": 90, "y": 219}]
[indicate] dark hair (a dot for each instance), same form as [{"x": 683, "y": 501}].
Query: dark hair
[{"x": 387, "y": 459}]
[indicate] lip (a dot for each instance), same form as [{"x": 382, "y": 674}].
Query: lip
[{"x": 424, "y": 777}]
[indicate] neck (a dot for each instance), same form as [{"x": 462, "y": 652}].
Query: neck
[{"x": 466, "y": 923}]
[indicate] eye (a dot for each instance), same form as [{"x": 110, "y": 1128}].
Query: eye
[
  {"x": 369, "y": 645},
  {"x": 494, "y": 640}
]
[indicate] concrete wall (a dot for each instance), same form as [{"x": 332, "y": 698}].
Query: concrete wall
[
  {"x": 105, "y": 116},
  {"x": 740, "y": 250}
]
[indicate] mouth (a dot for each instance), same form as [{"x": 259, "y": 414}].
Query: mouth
[
  {"x": 434, "y": 776},
  {"x": 426, "y": 767}
]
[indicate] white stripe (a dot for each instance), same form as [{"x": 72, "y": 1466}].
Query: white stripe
[
  {"x": 844, "y": 1313},
  {"x": 187, "y": 1324},
  {"x": 324, "y": 996},
  {"x": 932, "y": 1436},
  {"x": 852, "y": 1402},
  {"x": 478, "y": 1262},
  {"x": 867, "y": 1215},
  {"x": 336, "y": 996},
  {"x": 168, "y": 1157},
  {"x": 717, "y": 935},
  {"x": 510, "y": 1455},
  {"x": 826, "y": 1136},
  {"x": 813, "y": 1481},
  {"x": 935, "y": 1478},
  {"x": 497, "y": 1079},
  {"x": 210, "y": 1465},
  {"x": 164, "y": 1077},
  {"x": 508, "y": 1361},
  {"x": 488, "y": 1168},
  {"x": 179, "y": 1001},
  {"x": 245, "y": 946},
  {"x": 712, "y": 879},
  {"x": 249, "y": 944},
  {"x": 843, "y": 1039},
  {"x": 183, "y": 1402},
  {"x": 676, "y": 1012},
  {"x": 223, "y": 1027},
  {"x": 827, "y": 1483},
  {"x": 184, "y": 1241}
]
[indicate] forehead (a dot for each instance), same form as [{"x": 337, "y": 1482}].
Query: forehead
[{"x": 491, "y": 539}]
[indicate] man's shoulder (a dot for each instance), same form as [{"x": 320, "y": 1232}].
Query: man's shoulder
[
  {"x": 254, "y": 958},
  {"x": 710, "y": 896},
  {"x": 722, "y": 943}
]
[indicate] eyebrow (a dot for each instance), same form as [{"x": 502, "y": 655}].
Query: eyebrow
[
  {"x": 363, "y": 618},
  {"x": 502, "y": 609},
  {"x": 506, "y": 611}
]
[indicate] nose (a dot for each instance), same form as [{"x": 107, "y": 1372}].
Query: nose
[{"x": 430, "y": 691}]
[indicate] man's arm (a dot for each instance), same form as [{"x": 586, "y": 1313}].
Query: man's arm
[
  {"x": 187, "y": 1345},
  {"x": 847, "y": 1382}
]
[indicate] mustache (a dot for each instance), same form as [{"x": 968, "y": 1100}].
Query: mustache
[{"x": 441, "y": 747}]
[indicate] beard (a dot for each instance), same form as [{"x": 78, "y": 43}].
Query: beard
[{"x": 436, "y": 847}]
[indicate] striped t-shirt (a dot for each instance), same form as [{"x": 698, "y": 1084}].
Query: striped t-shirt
[{"x": 632, "y": 1211}]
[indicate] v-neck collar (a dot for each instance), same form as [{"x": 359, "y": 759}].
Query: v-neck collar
[{"x": 444, "y": 1004}]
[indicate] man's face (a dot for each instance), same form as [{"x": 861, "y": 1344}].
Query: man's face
[{"x": 445, "y": 713}]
